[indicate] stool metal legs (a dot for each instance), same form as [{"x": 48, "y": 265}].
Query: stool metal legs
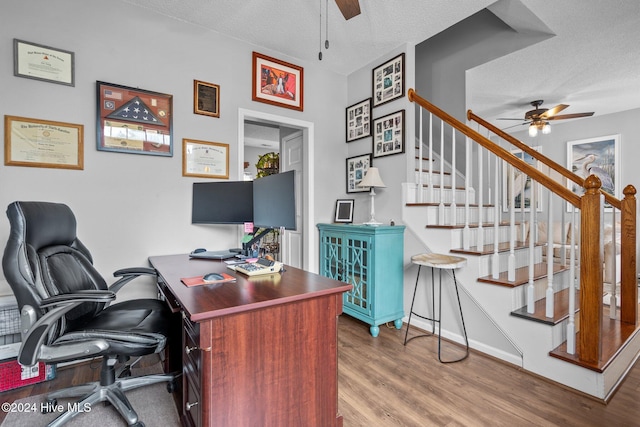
[{"x": 438, "y": 319}]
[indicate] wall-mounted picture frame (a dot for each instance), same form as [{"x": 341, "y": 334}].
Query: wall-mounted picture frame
[
  {"x": 277, "y": 82},
  {"x": 344, "y": 211},
  {"x": 40, "y": 62},
  {"x": 598, "y": 156},
  {"x": 357, "y": 167},
  {"x": 388, "y": 134},
  {"x": 134, "y": 121},
  {"x": 388, "y": 81},
  {"x": 359, "y": 120},
  {"x": 522, "y": 185},
  {"x": 43, "y": 143},
  {"x": 206, "y": 98},
  {"x": 205, "y": 159}
]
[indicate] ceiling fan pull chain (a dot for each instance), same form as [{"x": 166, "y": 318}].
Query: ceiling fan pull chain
[
  {"x": 320, "y": 51},
  {"x": 326, "y": 32}
]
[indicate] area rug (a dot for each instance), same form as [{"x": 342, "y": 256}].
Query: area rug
[{"x": 153, "y": 404}]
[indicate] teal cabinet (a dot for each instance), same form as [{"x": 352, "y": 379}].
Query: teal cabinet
[{"x": 370, "y": 259}]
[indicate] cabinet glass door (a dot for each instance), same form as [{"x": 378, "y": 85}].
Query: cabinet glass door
[
  {"x": 357, "y": 264},
  {"x": 331, "y": 257}
]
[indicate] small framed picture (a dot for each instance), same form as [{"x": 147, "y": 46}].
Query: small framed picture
[
  {"x": 359, "y": 120},
  {"x": 277, "y": 82},
  {"x": 344, "y": 210},
  {"x": 357, "y": 167},
  {"x": 388, "y": 134},
  {"x": 40, "y": 62},
  {"x": 388, "y": 81},
  {"x": 206, "y": 99}
]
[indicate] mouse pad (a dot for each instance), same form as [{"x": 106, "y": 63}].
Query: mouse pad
[{"x": 198, "y": 280}]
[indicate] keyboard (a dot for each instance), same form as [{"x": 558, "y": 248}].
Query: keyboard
[{"x": 261, "y": 266}]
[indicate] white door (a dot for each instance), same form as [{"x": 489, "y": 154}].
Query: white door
[{"x": 292, "y": 150}]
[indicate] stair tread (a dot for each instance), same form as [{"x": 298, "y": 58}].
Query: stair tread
[
  {"x": 560, "y": 308},
  {"x": 471, "y": 225},
  {"x": 522, "y": 275},
  {"x": 433, "y": 172},
  {"x": 489, "y": 249},
  {"x": 473, "y": 205}
]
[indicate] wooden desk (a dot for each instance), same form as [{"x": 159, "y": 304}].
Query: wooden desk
[{"x": 259, "y": 352}]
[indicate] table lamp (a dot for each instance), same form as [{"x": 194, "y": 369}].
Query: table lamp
[{"x": 372, "y": 180}]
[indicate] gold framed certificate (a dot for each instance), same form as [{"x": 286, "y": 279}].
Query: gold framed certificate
[
  {"x": 43, "y": 143},
  {"x": 40, "y": 62},
  {"x": 205, "y": 159}
]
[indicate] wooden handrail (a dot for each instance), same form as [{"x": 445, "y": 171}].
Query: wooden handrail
[
  {"x": 613, "y": 201},
  {"x": 505, "y": 155}
]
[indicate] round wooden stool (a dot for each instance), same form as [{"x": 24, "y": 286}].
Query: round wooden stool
[{"x": 440, "y": 262}]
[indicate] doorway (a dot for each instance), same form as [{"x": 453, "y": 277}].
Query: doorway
[{"x": 303, "y": 244}]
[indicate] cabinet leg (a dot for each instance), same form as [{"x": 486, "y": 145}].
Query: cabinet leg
[
  {"x": 398, "y": 323},
  {"x": 375, "y": 330}
]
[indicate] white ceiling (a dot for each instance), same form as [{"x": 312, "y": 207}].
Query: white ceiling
[{"x": 592, "y": 63}]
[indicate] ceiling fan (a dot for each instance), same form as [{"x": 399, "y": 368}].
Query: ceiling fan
[
  {"x": 538, "y": 118},
  {"x": 349, "y": 8}
]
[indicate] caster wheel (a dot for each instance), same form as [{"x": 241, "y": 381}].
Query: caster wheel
[
  {"x": 172, "y": 386},
  {"x": 125, "y": 373},
  {"x": 138, "y": 424}
]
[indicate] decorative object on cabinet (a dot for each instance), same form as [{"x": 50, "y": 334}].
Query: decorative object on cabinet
[
  {"x": 388, "y": 134},
  {"x": 134, "y": 120},
  {"x": 43, "y": 143},
  {"x": 357, "y": 167},
  {"x": 40, "y": 62},
  {"x": 205, "y": 159},
  {"x": 206, "y": 99},
  {"x": 344, "y": 210},
  {"x": 359, "y": 120},
  {"x": 268, "y": 164},
  {"x": 388, "y": 81},
  {"x": 371, "y": 260},
  {"x": 372, "y": 180},
  {"x": 277, "y": 82},
  {"x": 595, "y": 156}
]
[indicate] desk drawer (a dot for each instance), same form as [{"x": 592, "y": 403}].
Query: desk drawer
[
  {"x": 192, "y": 409},
  {"x": 192, "y": 357}
]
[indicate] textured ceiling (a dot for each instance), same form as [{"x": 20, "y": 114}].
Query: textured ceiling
[{"x": 592, "y": 62}]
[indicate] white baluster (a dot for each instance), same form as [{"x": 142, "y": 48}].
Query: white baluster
[
  {"x": 532, "y": 239},
  {"x": 420, "y": 178},
  {"x": 549, "y": 293},
  {"x": 441, "y": 206},
  {"x": 511, "y": 268},
  {"x": 571, "y": 326},
  {"x": 430, "y": 161},
  {"x": 467, "y": 183},
  {"x": 453, "y": 206},
  {"x": 480, "y": 231},
  {"x": 495, "y": 267}
]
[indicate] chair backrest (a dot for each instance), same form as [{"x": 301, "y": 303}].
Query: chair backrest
[{"x": 43, "y": 257}]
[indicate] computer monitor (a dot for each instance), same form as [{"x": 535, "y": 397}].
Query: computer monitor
[
  {"x": 274, "y": 201},
  {"x": 226, "y": 202}
]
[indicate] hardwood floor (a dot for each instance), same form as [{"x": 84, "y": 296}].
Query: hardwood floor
[{"x": 383, "y": 383}]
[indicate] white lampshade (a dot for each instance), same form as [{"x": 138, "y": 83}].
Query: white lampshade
[{"x": 372, "y": 179}]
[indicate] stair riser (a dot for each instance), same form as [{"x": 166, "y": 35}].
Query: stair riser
[
  {"x": 521, "y": 260},
  {"x": 433, "y": 216}
]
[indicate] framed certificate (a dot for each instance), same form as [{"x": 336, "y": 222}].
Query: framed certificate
[
  {"x": 39, "y": 62},
  {"x": 206, "y": 98},
  {"x": 43, "y": 143},
  {"x": 205, "y": 159}
]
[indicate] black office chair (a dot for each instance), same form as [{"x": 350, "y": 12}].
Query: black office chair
[{"x": 65, "y": 311}]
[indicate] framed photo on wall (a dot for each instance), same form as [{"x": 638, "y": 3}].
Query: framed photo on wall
[
  {"x": 134, "y": 120},
  {"x": 388, "y": 81},
  {"x": 595, "y": 156},
  {"x": 359, "y": 120},
  {"x": 40, "y": 62},
  {"x": 388, "y": 134},
  {"x": 357, "y": 167},
  {"x": 206, "y": 98},
  {"x": 522, "y": 185},
  {"x": 277, "y": 82}
]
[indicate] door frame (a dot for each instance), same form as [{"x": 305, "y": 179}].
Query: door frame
[{"x": 308, "y": 132}]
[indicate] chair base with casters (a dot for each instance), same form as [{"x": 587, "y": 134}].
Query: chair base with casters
[
  {"x": 440, "y": 262},
  {"x": 108, "y": 389}
]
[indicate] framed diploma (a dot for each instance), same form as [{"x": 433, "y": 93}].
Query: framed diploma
[
  {"x": 205, "y": 159},
  {"x": 206, "y": 98},
  {"x": 43, "y": 143},
  {"x": 39, "y": 62},
  {"x": 134, "y": 120}
]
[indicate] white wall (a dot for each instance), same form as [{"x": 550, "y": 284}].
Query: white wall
[{"x": 131, "y": 206}]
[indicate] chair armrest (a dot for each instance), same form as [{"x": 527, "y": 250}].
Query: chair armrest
[
  {"x": 128, "y": 274},
  {"x": 34, "y": 334}
]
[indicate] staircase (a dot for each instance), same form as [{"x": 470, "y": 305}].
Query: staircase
[{"x": 525, "y": 300}]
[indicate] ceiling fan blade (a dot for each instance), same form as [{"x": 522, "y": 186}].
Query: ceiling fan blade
[
  {"x": 349, "y": 8},
  {"x": 520, "y": 124},
  {"x": 570, "y": 116},
  {"x": 553, "y": 111},
  {"x": 508, "y": 118}
]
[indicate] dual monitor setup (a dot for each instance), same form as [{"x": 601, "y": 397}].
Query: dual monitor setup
[{"x": 268, "y": 203}]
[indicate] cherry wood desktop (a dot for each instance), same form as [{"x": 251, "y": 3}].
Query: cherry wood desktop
[{"x": 261, "y": 351}]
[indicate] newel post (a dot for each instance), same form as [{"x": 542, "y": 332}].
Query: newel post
[
  {"x": 628, "y": 281},
  {"x": 591, "y": 261}
]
